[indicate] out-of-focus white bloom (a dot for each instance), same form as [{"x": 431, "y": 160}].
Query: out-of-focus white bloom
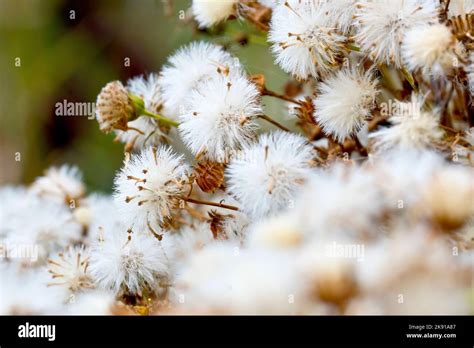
[
  {"x": 225, "y": 279},
  {"x": 382, "y": 24},
  {"x": 431, "y": 48},
  {"x": 305, "y": 38},
  {"x": 189, "y": 67},
  {"x": 190, "y": 239},
  {"x": 344, "y": 102},
  {"x": 114, "y": 107},
  {"x": 14, "y": 199},
  {"x": 270, "y": 3},
  {"x": 70, "y": 269},
  {"x": 148, "y": 89},
  {"x": 210, "y": 12},
  {"x": 101, "y": 212},
  {"x": 265, "y": 176},
  {"x": 281, "y": 231},
  {"x": 49, "y": 228},
  {"x": 340, "y": 202},
  {"x": 95, "y": 302},
  {"x": 460, "y": 7},
  {"x": 412, "y": 127},
  {"x": 328, "y": 271},
  {"x": 128, "y": 262},
  {"x": 401, "y": 175},
  {"x": 466, "y": 238},
  {"x": 150, "y": 185},
  {"x": 219, "y": 117},
  {"x": 401, "y": 266},
  {"x": 448, "y": 197},
  {"x": 60, "y": 184},
  {"x": 25, "y": 292}
]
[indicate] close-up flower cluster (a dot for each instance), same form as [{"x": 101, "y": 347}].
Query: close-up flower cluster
[{"x": 355, "y": 197}]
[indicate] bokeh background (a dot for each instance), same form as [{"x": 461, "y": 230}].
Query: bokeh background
[{"x": 52, "y": 50}]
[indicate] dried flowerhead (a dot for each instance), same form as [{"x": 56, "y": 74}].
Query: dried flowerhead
[{"x": 114, "y": 107}]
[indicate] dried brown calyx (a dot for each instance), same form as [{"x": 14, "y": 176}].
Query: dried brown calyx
[
  {"x": 463, "y": 28},
  {"x": 209, "y": 175},
  {"x": 256, "y": 13},
  {"x": 216, "y": 222},
  {"x": 306, "y": 121}
]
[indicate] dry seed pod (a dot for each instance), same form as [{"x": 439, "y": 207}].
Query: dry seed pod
[
  {"x": 259, "y": 81},
  {"x": 209, "y": 175},
  {"x": 449, "y": 199},
  {"x": 216, "y": 221},
  {"x": 336, "y": 283},
  {"x": 306, "y": 122},
  {"x": 463, "y": 28}
]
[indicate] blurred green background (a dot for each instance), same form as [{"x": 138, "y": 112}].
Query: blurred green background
[{"x": 52, "y": 50}]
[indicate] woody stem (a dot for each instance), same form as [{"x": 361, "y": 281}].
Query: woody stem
[
  {"x": 280, "y": 96},
  {"x": 275, "y": 123},
  {"x": 213, "y": 204}
]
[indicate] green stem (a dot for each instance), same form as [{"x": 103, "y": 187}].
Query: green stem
[
  {"x": 409, "y": 78},
  {"x": 140, "y": 110},
  {"x": 161, "y": 119},
  {"x": 353, "y": 47}
]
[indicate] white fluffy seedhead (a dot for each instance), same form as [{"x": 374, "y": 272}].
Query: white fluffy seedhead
[
  {"x": 145, "y": 131},
  {"x": 401, "y": 265},
  {"x": 401, "y": 174},
  {"x": 210, "y": 12},
  {"x": 14, "y": 200},
  {"x": 128, "y": 262},
  {"x": 305, "y": 38},
  {"x": 60, "y": 184},
  {"x": 281, "y": 231},
  {"x": 431, "y": 48},
  {"x": 412, "y": 127},
  {"x": 265, "y": 176},
  {"x": 25, "y": 292},
  {"x": 191, "y": 66},
  {"x": 342, "y": 202},
  {"x": 270, "y": 3},
  {"x": 225, "y": 279},
  {"x": 49, "y": 228},
  {"x": 99, "y": 211},
  {"x": 342, "y": 12},
  {"x": 382, "y": 24},
  {"x": 150, "y": 185},
  {"x": 220, "y": 117},
  {"x": 344, "y": 102},
  {"x": 71, "y": 269}
]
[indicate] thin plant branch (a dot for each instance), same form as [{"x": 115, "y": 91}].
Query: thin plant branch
[{"x": 275, "y": 123}]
